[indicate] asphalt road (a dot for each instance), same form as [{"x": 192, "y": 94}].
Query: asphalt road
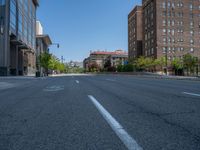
[{"x": 102, "y": 112}]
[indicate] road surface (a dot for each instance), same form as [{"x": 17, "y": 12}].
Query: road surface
[{"x": 99, "y": 112}]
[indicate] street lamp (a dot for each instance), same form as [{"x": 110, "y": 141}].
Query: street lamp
[
  {"x": 57, "y": 44},
  {"x": 166, "y": 59}
]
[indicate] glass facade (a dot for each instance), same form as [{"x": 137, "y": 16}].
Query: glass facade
[
  {"x": 2, "y": 2},
  {"x": 22, "y": 21},
  {"x": 13, "y": 15}
]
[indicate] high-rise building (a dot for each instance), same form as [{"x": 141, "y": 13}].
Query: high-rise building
[
  {"x": 17, "y": 37},
  {"x": 135, "y": 32},
  {"x": 171, "y": 28}
]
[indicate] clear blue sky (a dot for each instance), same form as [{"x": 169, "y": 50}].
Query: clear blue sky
[{"x": 83, "y": 25}]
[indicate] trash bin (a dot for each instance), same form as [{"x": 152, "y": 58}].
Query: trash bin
[{"x": 37, "y": 74}]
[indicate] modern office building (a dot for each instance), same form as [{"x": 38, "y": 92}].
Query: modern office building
[
  {"x": 17, "y": 37},
  {"x": 43, "y": 41},
  {"x": 135, "y": 32}
]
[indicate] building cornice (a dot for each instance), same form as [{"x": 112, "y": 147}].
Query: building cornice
[{"x": 46, "y": 38}]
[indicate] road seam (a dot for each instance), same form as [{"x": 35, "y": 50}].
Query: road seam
[{"x": 128, "y": 141}]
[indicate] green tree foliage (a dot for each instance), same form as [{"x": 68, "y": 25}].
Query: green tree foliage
[
  {"x": 93, "y": 67},
  {"x": 107, "y": 64},
  {"x": 120, "y": 68},
  {"x": 141, "y": 63},
  {"x": 189, "y": 63},
  {"x": 44, "y": 61},
  {"x": 51, "y": 62},
  {"x": 161, "y": 62},
  {"x": 54, "y": 63},
  {"x": 177, "y": 65}
]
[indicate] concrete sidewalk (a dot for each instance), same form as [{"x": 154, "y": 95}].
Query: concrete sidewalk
[
  {"x": 152, "y": 75},
  {"x": 171, "y": 77},
  {"x": 20, "y": 77}
]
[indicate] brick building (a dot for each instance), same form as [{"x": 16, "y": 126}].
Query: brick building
[
  {"x": 171, "y": 28},
  {"x": 101, "y": 57},
  {"x": 135, "y": 32}
]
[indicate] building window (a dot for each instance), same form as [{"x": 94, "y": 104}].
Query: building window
[
  {"x": 173, "y": 32},
  {"x": 13, "y": 13},
  {"x": 163, "y": 5},
  {"x": 191, "y": 7},
  {"x": 192, "y": 32},
  {"x": 164, "y": 50},
  {"x": 164, "y": 22},
  {"x": 164, "y": 40},
  {"x": 168, "y": 4},
  {"x": 191, "y": 41},
  {"x": 20, "y": 29},
  {"x": 173, "y": 5},
  {"x": 164, "y": 31},
  {"x": 173, "y": 22},
  {"x": 169, "y": 23},
  {"x": 191, "y": 24}
]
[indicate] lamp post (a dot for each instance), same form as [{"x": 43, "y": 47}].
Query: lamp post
[
  {"x": 57, "y": 44},
  {"x": 166, "y": 61}
]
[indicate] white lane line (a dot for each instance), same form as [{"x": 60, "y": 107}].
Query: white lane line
[
  {"x": 77, "y": 82},
  {"x": 128, "y": 141},
  {"x": 112, "y": 80},
  {"x": 193, "y": 94}
]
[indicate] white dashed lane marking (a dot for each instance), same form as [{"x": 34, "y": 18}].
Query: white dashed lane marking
[
  {"x": 192, "y": 94},
  {"x": 128, "y": 141}
]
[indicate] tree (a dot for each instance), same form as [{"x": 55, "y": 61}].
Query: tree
[
  {"x": 149, "y": 63},
  {"x": 160, "y": 62},
  {"x": 107, "y": 65},
  {"x": 120, "y": 68},
  {"x": 93, "y": 67},
  {"x": 44, "y": 61},
  {"x": 61, "y": 67},
  {"x": 177, "y": 65},
  {"x": 144, "y": 63},
  {"x": 128, "y": 68},
  {"x": 141, "y": 63},
  {"x": 54, "y": 63},
  {"x": 189, "y": 63}
]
